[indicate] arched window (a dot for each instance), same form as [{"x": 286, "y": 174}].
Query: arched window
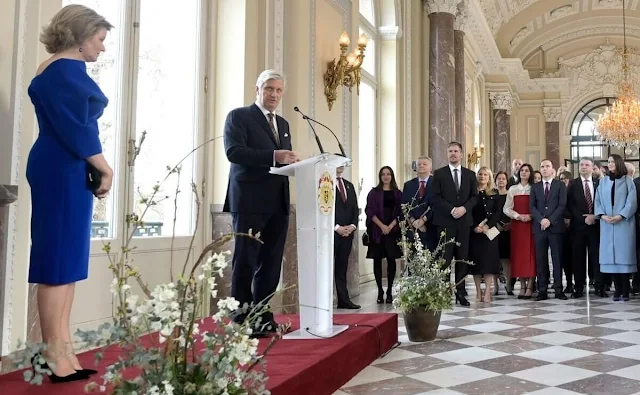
[{"x": 585, "y": 141}]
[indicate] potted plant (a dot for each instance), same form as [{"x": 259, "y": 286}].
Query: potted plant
[{"x": 424, "y": 290}]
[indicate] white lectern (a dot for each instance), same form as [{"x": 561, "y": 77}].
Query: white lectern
[{"x": 315, "y": 191}]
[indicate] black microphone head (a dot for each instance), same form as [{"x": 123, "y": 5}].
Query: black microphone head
[{"x": 296, "y": 109}]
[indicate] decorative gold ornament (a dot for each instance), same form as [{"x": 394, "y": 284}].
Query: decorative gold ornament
[
  {"x": 473, "y": 159},
  {"x": 326, "y": 193},
  {"x": 345, "y": 70}
]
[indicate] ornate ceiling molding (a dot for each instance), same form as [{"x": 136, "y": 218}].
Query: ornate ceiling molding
[
  {"x": 552, "y": 114},
  {"x": 501, "y": 101},
  {"x": 590, "y": 31},
  {"x": 448, "y": 6}
]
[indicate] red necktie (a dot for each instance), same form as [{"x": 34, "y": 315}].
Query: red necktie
[
  {"x": 587, "y": 196},
  {"x": 546, "y": 190},
  {"x": 421, "y": 190},
  {"x": 343, "y": 194}
]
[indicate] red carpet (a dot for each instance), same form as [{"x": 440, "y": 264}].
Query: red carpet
[{"x": 310, "y": 367}]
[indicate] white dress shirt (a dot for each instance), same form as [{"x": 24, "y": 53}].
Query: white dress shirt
[
  {"x": 590, "y": 183},
  {"x": 275, "y": 124},
  {"x": 453, "y": 174}
]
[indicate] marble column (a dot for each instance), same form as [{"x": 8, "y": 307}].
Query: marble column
[
  {"x": 501, "y": 102},
  {"x": 285, "y": 302},
  {"x": 441, "y": 78},
  {"x": 460, "y": 88},
  {"x": 8, "y": 195},
  {"x": 552, "y": 132}
]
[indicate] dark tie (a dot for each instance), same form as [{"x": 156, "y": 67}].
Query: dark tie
[
  {"x": 546, "y": 190},
  {"x": 421, "y": 190},
  {"x": 343, "y": 194},
  {"x": 455, "y": 180},
  {"x": 273, "y": 128},
  {"x": 588, "y": 197}
]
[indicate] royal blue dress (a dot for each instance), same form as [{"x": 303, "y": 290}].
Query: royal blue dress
[{"x": 68, "y": 104}]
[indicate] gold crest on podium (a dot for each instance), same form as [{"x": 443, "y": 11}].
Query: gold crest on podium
[{"x": 326, "y": 193}]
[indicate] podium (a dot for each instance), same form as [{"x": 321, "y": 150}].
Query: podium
[{"x": 315, "y": 192}]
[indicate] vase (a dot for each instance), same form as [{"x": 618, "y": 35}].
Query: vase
[{"x": 422, "y": 325}]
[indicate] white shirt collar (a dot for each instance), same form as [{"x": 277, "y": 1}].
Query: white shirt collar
[
  {"x": 261, "y": 107},
  {"x": 423, "y": 179},
  {"x": 452, "y": 167},
  {"x": 547, "y": 180},
  {"x": 585, "y": 179}
]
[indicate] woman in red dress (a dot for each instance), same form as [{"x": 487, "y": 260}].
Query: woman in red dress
[{"x": 523, "y": 250}]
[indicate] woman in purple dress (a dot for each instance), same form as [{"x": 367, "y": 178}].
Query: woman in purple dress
[{"x": 68, "y": 104}]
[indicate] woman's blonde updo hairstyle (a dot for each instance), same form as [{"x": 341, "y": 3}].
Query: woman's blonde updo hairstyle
[{"x": 72, "y": 26}]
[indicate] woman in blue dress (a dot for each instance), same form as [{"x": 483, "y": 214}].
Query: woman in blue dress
[
  {"x": 616, "y": 204},
  {"x": 67, "y": 104}
]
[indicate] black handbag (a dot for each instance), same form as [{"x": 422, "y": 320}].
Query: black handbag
[
  {"x": 365, "y": 238},
  {"x": 94, "y": 178}
]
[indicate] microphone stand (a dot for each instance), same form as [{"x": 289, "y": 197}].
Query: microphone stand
[
  {"x": 325, "y": 126},
  {"x": 312, "y": 129}
]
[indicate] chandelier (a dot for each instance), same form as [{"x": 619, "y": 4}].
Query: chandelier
[{"x": 619, "y": 126}]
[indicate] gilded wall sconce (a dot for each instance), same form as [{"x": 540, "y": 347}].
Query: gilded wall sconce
[
  {"x": 473, "y": 159},
  {"x": 345, "y": 70}
]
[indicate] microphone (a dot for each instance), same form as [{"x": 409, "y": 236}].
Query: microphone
[
  {"x": 325, "y": 126},
  {"x": 311, "y": 126}
]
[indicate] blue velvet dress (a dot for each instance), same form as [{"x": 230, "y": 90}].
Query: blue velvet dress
[{"x": 68, "y": 104}]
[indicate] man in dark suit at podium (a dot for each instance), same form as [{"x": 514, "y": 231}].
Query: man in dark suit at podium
[
  {"x": 416, "y": 193},
  {"x": 346, "y": 219},
  {"x": 255, "y": 139}
]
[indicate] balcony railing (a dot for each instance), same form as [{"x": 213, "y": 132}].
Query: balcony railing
[{"x": 100, "y": 229}]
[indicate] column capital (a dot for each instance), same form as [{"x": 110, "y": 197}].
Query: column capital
[
  {"x": 552, "y": 114},
  {"x": 448, "y": 6},
  {"x": 501, "y": 101},
  {"x": 462, "y": 17}
]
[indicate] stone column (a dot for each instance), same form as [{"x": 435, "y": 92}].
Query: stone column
[
  {"x": 552, "y": 132},
  {"x": 441, "y": 78},
  {"x": 501, "y": 102},
  {"x": 8, "y": 195},
  {"x": 460, "y": 88}
]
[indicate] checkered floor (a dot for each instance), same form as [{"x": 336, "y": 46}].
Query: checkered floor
[{"x": 511, "y": 346}]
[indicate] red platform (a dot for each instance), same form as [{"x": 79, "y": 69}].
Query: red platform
[{"x": 310, "y": 367}]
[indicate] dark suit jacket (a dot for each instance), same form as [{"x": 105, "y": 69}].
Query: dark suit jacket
[
  {"x": 347, "y": 213},
  {"x": 511, "y": 181},
  {"x": 577, "y": 204},
  {"x": 249, "y": 145},
  {"x": 552, "y": 208},
  {"x": 445, "y": 196},
  {"x": 410, "y": 197}
]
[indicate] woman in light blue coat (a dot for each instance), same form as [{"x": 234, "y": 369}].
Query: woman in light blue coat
[{"x": 616, "y": 206}]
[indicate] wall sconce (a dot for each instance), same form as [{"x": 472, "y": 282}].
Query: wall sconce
[
  {"x": 473, "y": 159},
  {"x": 346, "y": 70}
]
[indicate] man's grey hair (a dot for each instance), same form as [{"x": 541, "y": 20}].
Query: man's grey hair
[
  {"x": 424, "y": 158},
  {"x": 269, "y": 75},
  {"x": 631, "y": 169}
]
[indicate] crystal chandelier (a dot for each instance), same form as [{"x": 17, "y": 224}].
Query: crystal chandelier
[{"x": 619, "y": 126}]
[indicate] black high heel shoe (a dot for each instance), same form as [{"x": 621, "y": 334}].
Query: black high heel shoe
[
  {"x": 380, "y": 297},
  {"x": 389, "y": 297},
  {"x": 461, "y": 299},
  {"x": 54, "y": 378}
]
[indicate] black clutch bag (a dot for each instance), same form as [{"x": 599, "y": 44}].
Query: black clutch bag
[
  {"x": 365, "y": 238},
  {"x": 94, "y": 178}
]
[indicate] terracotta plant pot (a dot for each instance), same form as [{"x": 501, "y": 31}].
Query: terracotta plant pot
[{"x": 422, "y": 326}]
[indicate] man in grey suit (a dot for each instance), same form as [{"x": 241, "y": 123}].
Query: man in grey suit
[{"x": 547, "y": 203}]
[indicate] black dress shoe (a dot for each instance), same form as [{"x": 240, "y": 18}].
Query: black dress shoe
[
  {"x": 561, "y": 296},
  {"x": 601, "y": 294},
  {"x": 87, "y": 372},
  {"x": 461, "y": 299},
  {"x": 348, "y": 305},
  {"x": 577, "y": 294},
  {"x": 542, "y": 297},
  {"x": 568, "y": 290}
]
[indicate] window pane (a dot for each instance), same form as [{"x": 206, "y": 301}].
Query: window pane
[
  {"x": 107, "y": 73},
  {"x": 369, "y": 62},
  {"x": 366, "y": 145},
  {"x": 167, "y": 109},
  {"x": 366, "y": 10}
]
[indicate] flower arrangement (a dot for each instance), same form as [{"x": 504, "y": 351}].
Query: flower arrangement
[
  {"x": 159, "y": 332},
  {"x": 425, "y": 283}
]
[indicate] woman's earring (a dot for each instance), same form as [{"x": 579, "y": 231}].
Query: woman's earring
[{"x": 80, "y": 49}]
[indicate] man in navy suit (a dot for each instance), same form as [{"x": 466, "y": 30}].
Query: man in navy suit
[
  {"x": 255, "y": 139},
  {"x": 547, "y": 203},
  {"x": 416, "y": 193}
]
